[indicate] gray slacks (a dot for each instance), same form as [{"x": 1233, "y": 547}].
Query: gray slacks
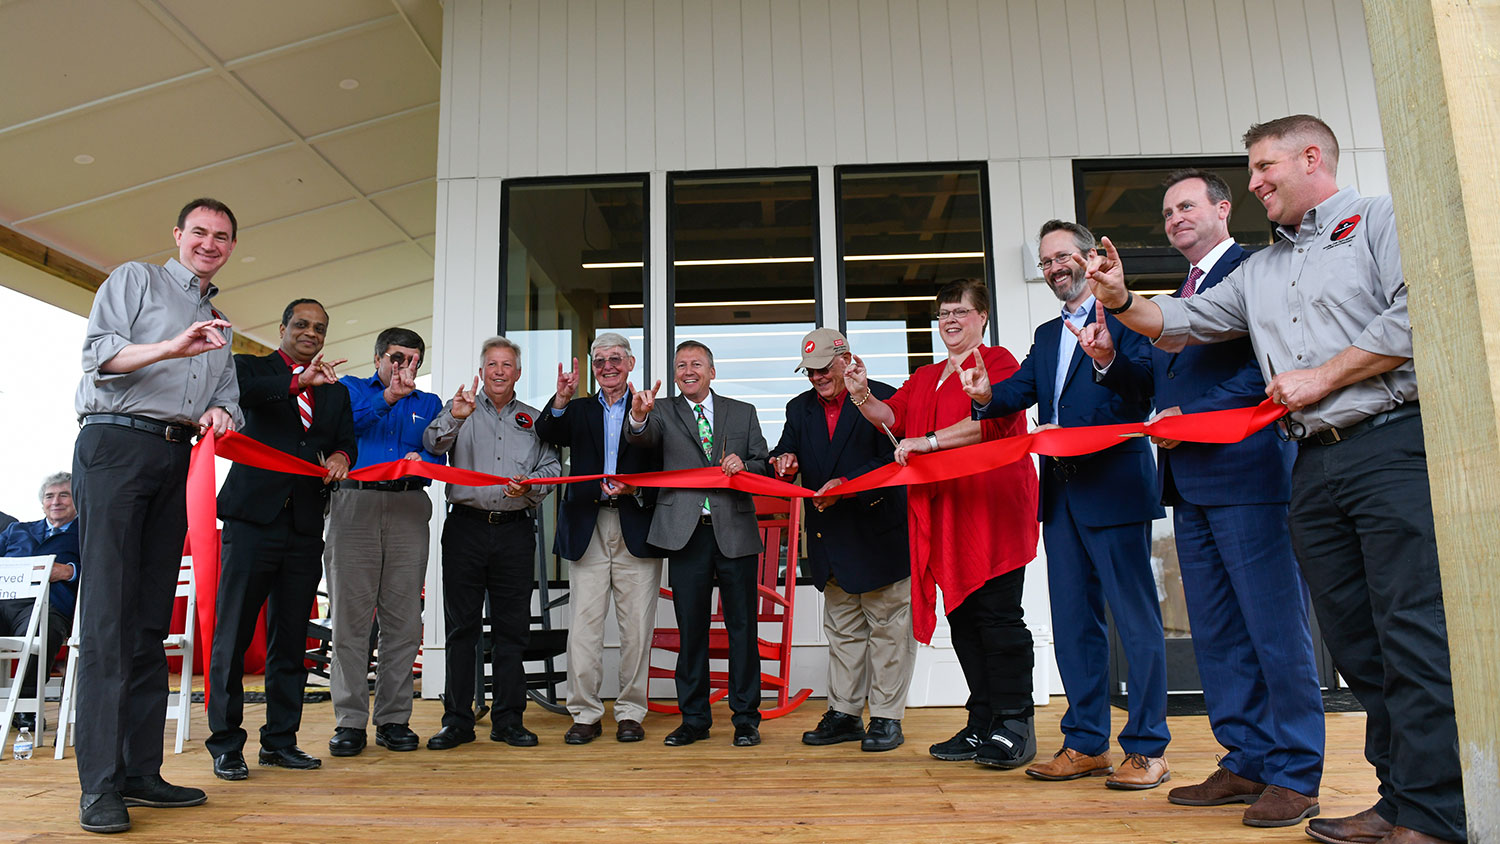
[
  {"x": 871, "y": 651},
  {"x": 376, "y": 561}
]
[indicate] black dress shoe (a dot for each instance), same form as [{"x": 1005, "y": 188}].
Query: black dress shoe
[
  {"x": 103, "y": 812},
  {"x": 449, "y": 737},
  {"x": 289, "y": 757},
  {"x": 746, "y": 736},
  {"x": 835, "y": 727},
  {"x": 629, "y": 730},
  {"x": 1010, "y": 743},
  {"x": 347, "y": 741},
  {"x": 685, "y": 735},
  {"x": 514, "y": 735},
  {"x": 583, "y": 733},
  {"x": 158, "y": 793},
  {"x": 397, "y": 737},
  {"x": 885, "y": 734},
  {"x": 231, "y": 766}
]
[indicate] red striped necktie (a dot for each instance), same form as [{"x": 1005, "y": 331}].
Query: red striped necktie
[
  {"x": 304, "y": 401},
  {"x": 1190, "y": 286}
]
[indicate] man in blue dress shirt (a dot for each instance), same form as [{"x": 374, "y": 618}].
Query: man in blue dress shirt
[{"x": 376, "y": 556}]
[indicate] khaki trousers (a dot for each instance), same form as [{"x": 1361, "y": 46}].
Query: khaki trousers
[
  {"x": 608, "y": 570},
  {"x": 871, "y": 652}
]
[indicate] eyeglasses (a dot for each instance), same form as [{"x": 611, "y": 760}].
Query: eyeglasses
[
  {"x": 954, "y": 313},
  {"x": 613, "y": 360},
  {"x": 398, "y": 358},
  {"x": 1065, "y": 259}
]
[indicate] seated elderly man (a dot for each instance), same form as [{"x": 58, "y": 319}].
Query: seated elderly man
[{"x": 55, "y": 534}]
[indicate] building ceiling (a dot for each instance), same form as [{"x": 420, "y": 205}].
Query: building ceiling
[{"x": 316, "y": 122}]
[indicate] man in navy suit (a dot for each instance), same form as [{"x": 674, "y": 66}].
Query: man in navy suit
[
  {"x": 56, "y": 534},
  {"x": 857, "y": 551},
  {"x": 1245, "y": 597},
  {"x": 273, "y": 538},
  {"x": 1096, "y": 512},
  {"x": 601, "y": 532}
]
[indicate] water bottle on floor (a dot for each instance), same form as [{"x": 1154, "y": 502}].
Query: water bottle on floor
[{"x": 23, "y": 744}]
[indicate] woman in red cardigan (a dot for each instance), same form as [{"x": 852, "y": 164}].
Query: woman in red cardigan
[{"x": 971, "y": 536}]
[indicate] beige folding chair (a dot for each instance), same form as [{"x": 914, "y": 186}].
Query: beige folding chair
[
  {"x": 177, "y": 643},
  {"x": 25, "y": 579}
]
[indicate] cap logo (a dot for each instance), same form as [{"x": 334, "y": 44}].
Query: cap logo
[
  {"x": 838, "y": 343},
  {"x": 1344, "y": 228},
  {"x": 809, "y": 346}
]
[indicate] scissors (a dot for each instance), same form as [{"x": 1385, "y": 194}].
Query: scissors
[
  {"x": 1287, "y": 428},
  {"x": 888, "y": 433}
]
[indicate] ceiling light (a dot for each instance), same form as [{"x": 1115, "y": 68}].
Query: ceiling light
[
  {"x": 83, "y": 158},
  {"x": 248, "y": 259},
  {"x": 348, "y": 84},
  {"x": 350, "y": 321},
  {"x": 916, "y": 256}
]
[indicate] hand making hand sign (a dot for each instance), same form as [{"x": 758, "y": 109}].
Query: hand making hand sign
[{"x": 464, "y": 400}]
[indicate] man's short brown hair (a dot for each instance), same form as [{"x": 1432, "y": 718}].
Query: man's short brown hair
[{"x": 1303, "y": 128}]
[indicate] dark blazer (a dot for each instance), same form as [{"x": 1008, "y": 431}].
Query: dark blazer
[
  {"x": 1115, "y": 486},
  {"x": 861, "y": 540},
  {"x": 1216, "y": 376},
  {"x": 580, "y": 429},
  {"x": 673, "y": 428},
  {"x": 257, "y": 495},
  {"x": 29, "y": 539}
]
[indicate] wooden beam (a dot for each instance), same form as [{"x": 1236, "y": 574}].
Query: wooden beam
[{"x": 1437, "y": 77}]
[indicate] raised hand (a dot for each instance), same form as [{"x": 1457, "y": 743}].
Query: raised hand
[
  {"x": 976, "y": 380},
  {"x": 198, "y": 338},
  {"x": 1094, "y": 338},
  {"x": 403, "y": 381},
  {"x": 567, "y": 385},
  {"x": 1107, "y": 280},
  {"x": 464, "y": 400},
  {"x": 785, "y": 464},
  {"x": 856, "y": 377},
  {"x": 643, "y": 402},
  {"x": 319, "y": 372}
]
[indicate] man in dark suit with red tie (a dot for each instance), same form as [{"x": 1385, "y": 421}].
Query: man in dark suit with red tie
[{"x": 273, "y": 537}]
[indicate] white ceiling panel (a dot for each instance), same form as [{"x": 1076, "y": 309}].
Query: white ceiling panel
[
  {"x": 414, "y": 208},
  {"x": 335, "y": 283},
  {"x": 233, "y": 30},
  {"x": 388, "y": 153},
  {"x": 372, "y": 312}
]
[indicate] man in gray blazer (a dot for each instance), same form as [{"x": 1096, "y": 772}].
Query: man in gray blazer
[{"x": 710, "y": 535}]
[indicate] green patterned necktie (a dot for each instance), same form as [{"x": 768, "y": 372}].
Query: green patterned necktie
[{"x": 705, "y": 438}]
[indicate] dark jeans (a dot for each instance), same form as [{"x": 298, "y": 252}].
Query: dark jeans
[
  {"x": 1361, "y": 523},
  {"x": 480, "y": 558},
  {"x": 692, "y": 574},
  {"x": 994, "y": 649},
  {"x": 276, "y": 567},
  {"x": 15, "y": 618},
  {"x": 130, "y": 487}
]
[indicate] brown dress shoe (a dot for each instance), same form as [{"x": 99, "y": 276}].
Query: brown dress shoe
[
  {"x": 1367, "y": 827},
  {"x": 1279, "y": 806},
  {"x": 629, "y": 730},
  {"x": 1222, "y": 786},
  {"x": 1069, "y": 764},
  {"x": 1403, "y": 835},
  {"x": 582, "y": 733},
  {"x": 1139, "y": 772}
]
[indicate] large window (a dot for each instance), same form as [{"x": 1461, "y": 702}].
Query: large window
[
  {"x": 902, "y": 236},
  {"x": 743, "y": 280}
]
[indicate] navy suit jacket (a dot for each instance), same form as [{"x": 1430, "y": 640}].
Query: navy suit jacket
[
  {"x": 861, "y": 540},
  {"x": 271, "y": 417},
  {"x": 1111, "y": 487},
  {"x": 1216, "y": 376},
  {"x": 29, "y": 539},
  {"x": 580, "y": 428}
]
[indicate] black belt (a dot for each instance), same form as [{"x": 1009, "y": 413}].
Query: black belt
[
  {"x": 173, "y": 432},
  {"x": 1332, "y": 436},
  {"x": 609, "y": 503},
  {"x": 706, "y": 520},
  {"x": 402, "y": 485},
  {"x": 494, "y": 517}
]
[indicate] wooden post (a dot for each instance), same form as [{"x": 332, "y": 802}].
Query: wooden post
[{"x": 1437, "y": 76}]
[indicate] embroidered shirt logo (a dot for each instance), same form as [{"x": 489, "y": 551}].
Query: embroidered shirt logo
[
  {"x": 1344, "y": 228},
  {"x": 523, "y": 420}
]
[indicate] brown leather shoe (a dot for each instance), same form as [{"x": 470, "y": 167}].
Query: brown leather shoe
[
  {"x": 582, "y": 733},
  {"x": 629, "y": 730},
  {"x": 1222, "y": 786},
  {"x": 1139, "y": 772},
  {"x": 1367, "y": 827},
  {"x": 1279, "y": 806},
  {"x": 1069, "y": 764},
  {"x": 1403, "y": 835}
]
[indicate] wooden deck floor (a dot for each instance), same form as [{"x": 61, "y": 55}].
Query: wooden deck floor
[{"x": 709, "y": 793}]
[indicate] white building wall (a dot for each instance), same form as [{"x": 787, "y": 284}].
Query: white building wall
[{"x": 575, "y": 87}]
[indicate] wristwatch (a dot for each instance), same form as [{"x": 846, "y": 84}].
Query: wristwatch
[
  {"x": 932, "y": 439},
  {"x": 1129, "y": 300}
]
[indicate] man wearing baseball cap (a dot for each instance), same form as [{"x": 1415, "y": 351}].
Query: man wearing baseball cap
[{"x": 856, "y": 550}]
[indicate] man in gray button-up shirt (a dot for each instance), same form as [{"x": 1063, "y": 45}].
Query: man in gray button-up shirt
[
  {"x": 1325, "y": 307},
  {"x": 489, "y": 542},
  {"x": 156, "y": 370}
]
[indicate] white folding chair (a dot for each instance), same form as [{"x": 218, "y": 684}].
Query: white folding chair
[
  {"x": 179, "y": 703},
  {"x": 25, "y": 579}
]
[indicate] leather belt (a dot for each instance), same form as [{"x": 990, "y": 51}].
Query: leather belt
[
  {"x": 401, "y": 485},
  {"x": 172, "y": 432},
  {"x": 493, "y": 517},
  {"x": 706, "y": 520},
  {"x": 609, "y": 503},
  {"x": 1332, "y": 436}
]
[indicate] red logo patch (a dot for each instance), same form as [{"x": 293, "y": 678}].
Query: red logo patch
[
  {"x": 837, "y": 343},
  {"x": 807, "y": 349},
  {"x": 1344, "y": 228},
  {"x": 523, "y": 419}
]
